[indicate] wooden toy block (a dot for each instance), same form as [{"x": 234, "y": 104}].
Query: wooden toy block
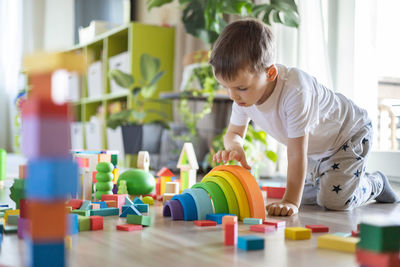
[
  {"x": 115, "y": 173},
  {"x": 102, "y": 204},
  {"x": 81, "y": 212},
  {"x": 12, "y": 219},
  {"x": 297, "y": 233},
  {"x": 40, "y": 86},
  {"x": 148, "y": 200},
  {"x": 318, "y": 228},
  {"x": 380, "y": 236},
  {"x": 228, "y": 219},
  {"x": 120, "y": 198},
  {"x": 204, "y": 223},
  {"x": 130, "y": 210},
  {"x": 84, "y": 223},
  {"x": 10, "y": 212},
  {"x": 75, "y": 203},
  {"x": 128, "y": 201},
  {"x": 105, "y": 212},
  {"x": 231, "y": 234},
  {"x": 262, "y": 228},
  {"x": 276, "y": 223},
  {"x": 94, "y": 206},
  {"x": 250, "y": 242},
  {"x": 252, "y": 221},
  {"x": 187, "y": 163},
  {"x": 86, "y": 205},
  {"x": 10, "y": 229},
  {"x": 137, "y": 201},
  {"x": 371, "y": 258},
  {"x": 274, "y": 192},
  {"x": 22, "y": 171},
  {"x": 163, "y": 185},
  {"x": 48, "y": 62},
  {"x": 355, "y": 233},
  {"x": 68, "y": 209},
  {"x": 73, "y": 224},
  {"x": 68, "y": 242},
  {"x": 96, "y": 223},
  {"x": 23, "y": 226},
  {"x": 142, "y": 207},
  {"x": 342, "y": 234},
  {"x": 333, "y": 242},
  {"x": 42, "y": 138},
  {"x": 217, "y": 217},
  {"x": 43, "y": 108},
  {"x": 48, "y": 220},
  {"x": 143, "y": 162},
  {"x": 82, "y": 162},
  {"x": 111, "y": 203},
  {"x": 137, "y": 219},
  {"x": 104, "y": 158},
  {"x": 47, "y": 253},
  {"x": 167, "y": 197},
  {"x": 47, "y": 178},
  {"x": 129, "y": 227},
  {"x": 171, "y": 187}
]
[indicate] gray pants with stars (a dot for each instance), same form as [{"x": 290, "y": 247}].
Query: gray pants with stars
[{"x": 339, "y": 182}]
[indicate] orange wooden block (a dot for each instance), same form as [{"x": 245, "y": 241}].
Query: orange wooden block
[
  {"x": 104, "y": 157},
  {"x": 41, "y": 86},
  {"x": 82, "y": 162},
  {"x": 48, "y": 220},
  {"x": 94, "y": 206},
  {"x": 111, "y": 203},
  {"x": 228, "y": 219},
  {"x": 22, "y": 171}
]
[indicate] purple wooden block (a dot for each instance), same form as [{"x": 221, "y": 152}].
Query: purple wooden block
[
  {"x": 22, "y": 227},
  {"x": 115, "y": 189},
  {"x": 174, "y": 209},
  {"x": 45, "y": 137}
]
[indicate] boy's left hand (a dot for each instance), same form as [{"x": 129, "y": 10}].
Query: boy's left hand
[{"x": 282, "y": 208}]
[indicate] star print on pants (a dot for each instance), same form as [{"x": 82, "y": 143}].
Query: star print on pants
[
  {"x": 336, "y": 188},
  {"x": 357, "y": 173},
  {"x": 335, "y": 166},
  {"x": 345, "y": 147},
  {"x": 364, "y": 141}
]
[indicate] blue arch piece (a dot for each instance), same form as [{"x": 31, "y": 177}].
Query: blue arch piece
[
  {"x": 202, "y": 201},
  {"x": 188, "y": 205}
]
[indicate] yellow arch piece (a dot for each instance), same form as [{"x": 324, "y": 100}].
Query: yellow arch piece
[
  {"x": 228, "y": 192},
  {"x": 250, "y": 185},
  {"x": 237, "y": 189}
]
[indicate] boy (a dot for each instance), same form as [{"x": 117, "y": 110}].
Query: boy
[{"x": 328, "y": 137}]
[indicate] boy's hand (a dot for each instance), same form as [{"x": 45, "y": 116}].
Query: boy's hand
[
  {"x": 282, "y": 208},
  {"x": 235, "y": 153}
]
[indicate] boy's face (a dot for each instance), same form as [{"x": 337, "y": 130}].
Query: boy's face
[{"x": 247, "y": 88}]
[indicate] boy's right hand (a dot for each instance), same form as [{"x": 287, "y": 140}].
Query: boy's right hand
[{"x": 235, "y": 153}]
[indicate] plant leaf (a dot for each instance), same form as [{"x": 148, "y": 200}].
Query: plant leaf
[
  {"x": 157, "y": 3},
  {"x": 271, "y": 155},
  {"x": 148, "y": 66},
  {"x": 123, "y": 79}
]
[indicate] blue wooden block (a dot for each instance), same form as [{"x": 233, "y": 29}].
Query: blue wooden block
[
  {"x": 85, "y": 205},
  {"x": 50, "y": 179},
  {"x": 46, "y": 254},
  {"x": 252, "y": 221},
  {"x": 137, "y": 201},
  {"x": 217, "y": 217},
  {"x": 128, "y": 202},
  {"x": 4, "y": 205},
  {"x": 105, "y": 212},
  {"x": 124, "y": 207},
  {"x": 142, "y": 207},
  {"x": 103, "y": 204},
  {"x": 130, "y": 210},
  {"x": 1, "y": 228},
  {"x": 73, "y": 224},
  {"x": 250, "y": 242}
]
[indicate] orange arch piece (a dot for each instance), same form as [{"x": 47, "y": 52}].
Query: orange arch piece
[{"x": 251, "y": 187}]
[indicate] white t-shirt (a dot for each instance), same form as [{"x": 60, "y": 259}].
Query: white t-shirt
[{"x": 300, "y": 105}]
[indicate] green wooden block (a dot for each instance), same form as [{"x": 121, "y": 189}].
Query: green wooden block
[
  {"x": 82, "y": 212},
  {"x": 84, "y": 223},
  {"x": 12, "y": 219},
  {"x": 114, "y": 159},
  {"x": 379, "y": 238},
  {"x": 137, "y": 219},
  {"x": 105, "y": 212}
]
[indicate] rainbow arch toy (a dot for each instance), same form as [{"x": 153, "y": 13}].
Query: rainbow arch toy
[{"x": 225, "y": 189}]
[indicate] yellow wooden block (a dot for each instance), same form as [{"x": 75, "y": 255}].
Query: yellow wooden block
[
  {"x": 297, "y": 233},
  {"x": 10, "y": 212},
  {"x": 340, "y": 243},
  {"x": 48, "y": 62},
  {"x": 115, "y": 173},
  {"x": 68, "y": 242},
  {"x": 68, "y": 209}
]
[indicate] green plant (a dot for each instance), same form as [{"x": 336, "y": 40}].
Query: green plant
[
  {"x": 151, "y": 74},
  {"x": 251, "y": 146},
  {"x": 204, "y": 19}
]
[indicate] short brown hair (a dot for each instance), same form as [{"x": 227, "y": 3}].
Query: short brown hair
[{"x": 243, "y": 43}]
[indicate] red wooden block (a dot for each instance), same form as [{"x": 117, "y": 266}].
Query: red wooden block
[
  {"x": 370, "y": 258},
  {"x": 317, "y": 228},
  {"x": 262, "y": 228},
  {"x": 23, "y": 208},
  {"x": 129, "y": 227},
  {"x": 205, "y": 223},
  {"x": 158, "y": 187},
  {"x": 75, "y": 203},
  {"x": 276, "y": 223},
  {"x": 44, "y": 108},
  {"x": 274, "y": 192},
  {"x": 94, "y": 180},
  {"x": 111, "y": 203},
  {"x": 355, "y": 233},
  {"x": 120, "y": 199},
  {"x": 231, "y": 234},
  {"x": 82, "y": 162},
  {"x": 41, "y": 86},
  {"x": 96, "y": 223}
]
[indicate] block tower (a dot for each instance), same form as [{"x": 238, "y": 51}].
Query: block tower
[{"x": 52, "y": 175}]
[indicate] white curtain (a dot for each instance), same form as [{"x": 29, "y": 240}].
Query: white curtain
[{"x": 10, "y": 61}]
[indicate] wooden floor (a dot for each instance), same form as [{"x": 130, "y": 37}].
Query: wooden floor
[{"x": 180, "y": 243}]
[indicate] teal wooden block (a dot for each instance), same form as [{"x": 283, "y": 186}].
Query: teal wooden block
[
  {"x": 129, "y": 210},
  {"x": 12, "y": 219},
  {"x": 128, "y": 201},
  {"x": 84, "y": 223},
  {"x": 142, "y": 207},
  {"x": 342, "y": 234},
  {"x": 86, "y": 205},
  {"x": 252, "y": 221},
  {"x": 105, "y": 212},
  {"x": 137, "y": 201},
  {"x": 250, "y": 242},
  {"x": 137, "y": 219},
  {"x": 81, "y": 212}
]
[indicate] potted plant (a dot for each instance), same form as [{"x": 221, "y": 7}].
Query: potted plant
[{"x": 134, "y": 132}]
